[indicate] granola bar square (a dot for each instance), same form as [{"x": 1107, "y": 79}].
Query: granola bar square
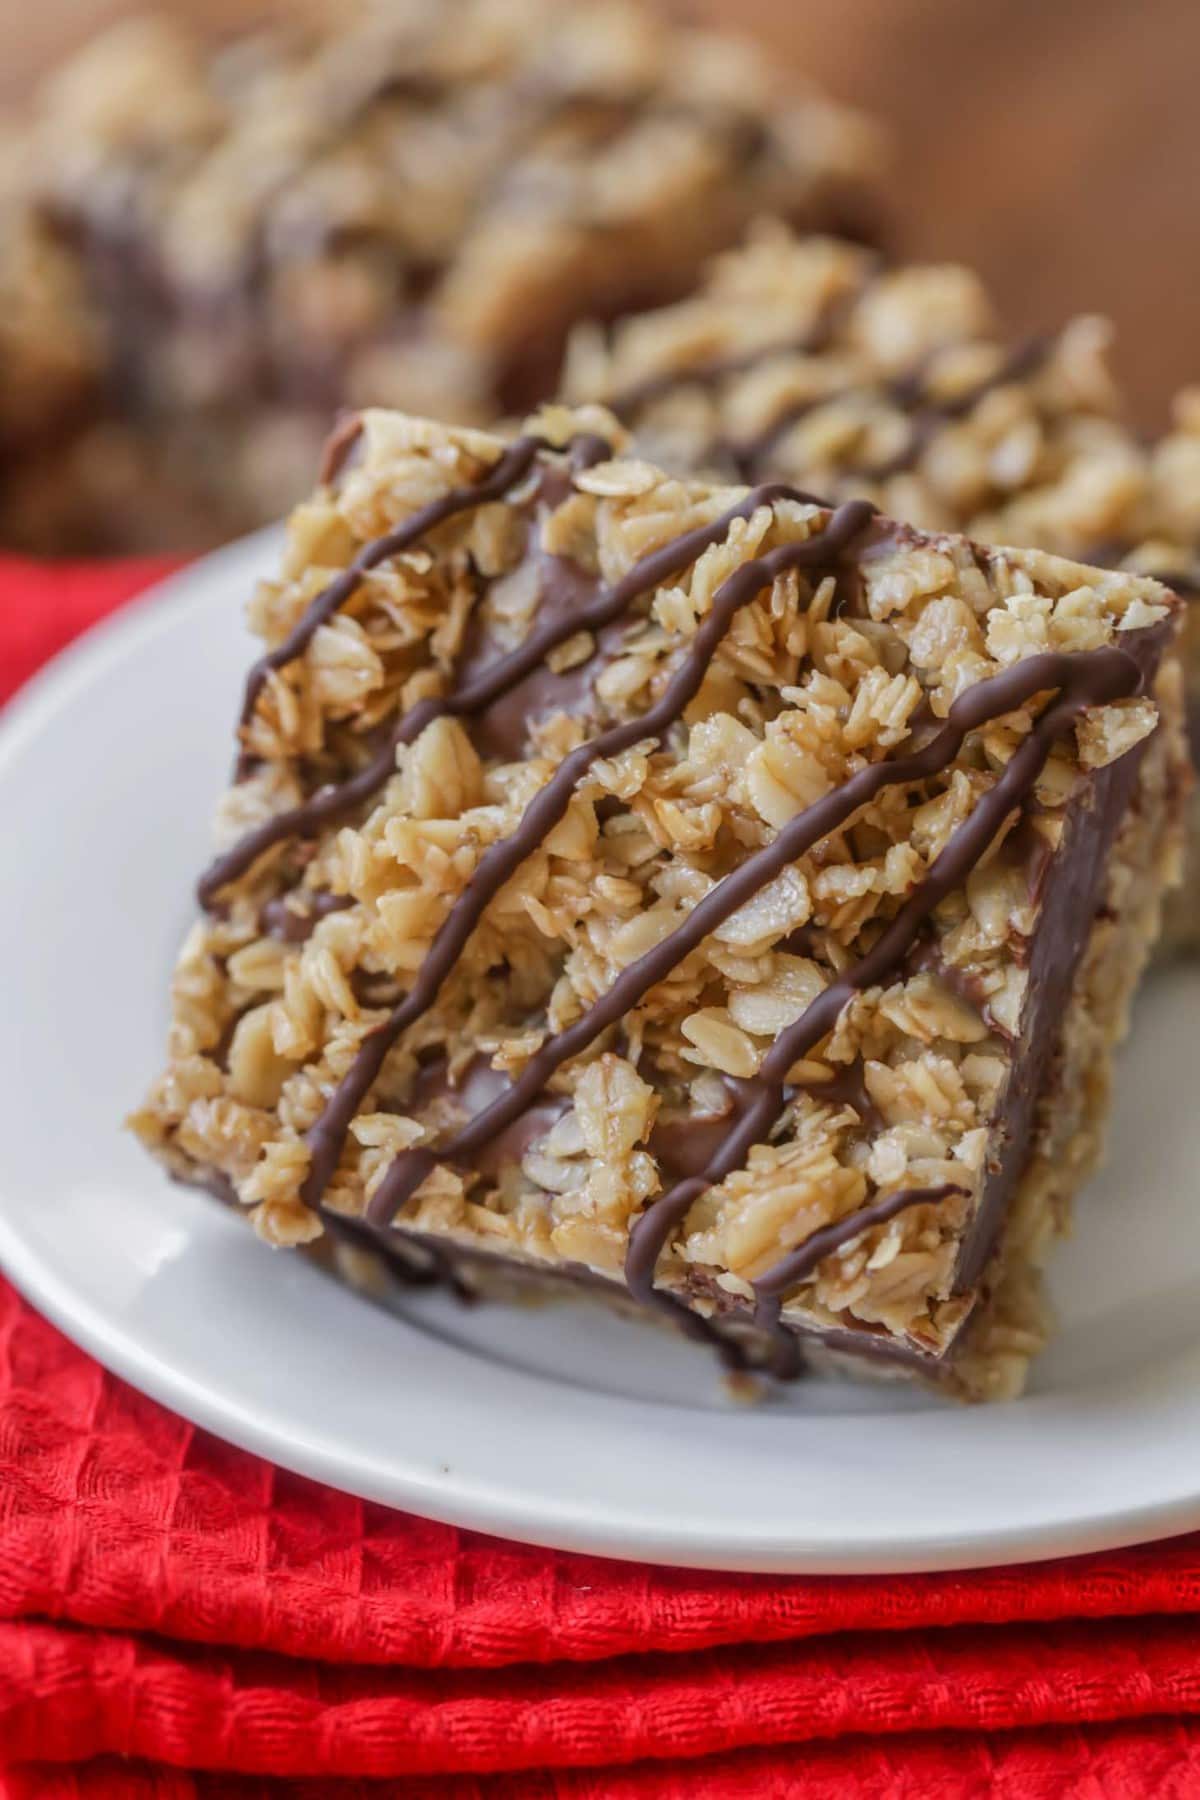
[{"x": 717, "y": 897}]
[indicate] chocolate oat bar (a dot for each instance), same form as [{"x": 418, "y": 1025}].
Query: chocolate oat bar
[
  {"x": 694, "y": 891},
  {"x": 408, "y": 206},
  {"x": 813, "y": 361}
]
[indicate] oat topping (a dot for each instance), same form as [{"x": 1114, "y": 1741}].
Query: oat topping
[{"x": 736, "y": 971}]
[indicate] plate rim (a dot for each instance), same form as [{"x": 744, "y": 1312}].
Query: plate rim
[{"x": 561, "y": 1528}]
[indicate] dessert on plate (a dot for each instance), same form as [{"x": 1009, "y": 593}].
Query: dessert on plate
[
  {"x": 399, "y": 202},
  {"x": 692, "y": 890}
]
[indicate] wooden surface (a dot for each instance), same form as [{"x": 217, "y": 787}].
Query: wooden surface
[{"x": 1055, "y": 144}]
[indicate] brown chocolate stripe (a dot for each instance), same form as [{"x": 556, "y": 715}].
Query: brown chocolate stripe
[
  {"x": 331, "y": 804},
  {"x": 794, "y": 1268},
  {"x": 906, "y": 393},
  {"x": 1025, "y": 360},
  {"x": 650, "y": 388},
  {"x": 656, "y": 386},
  {"x": 341, "y": 441},
  {"x": 1098, "y": 675},
  {"x": 516, "y": 462},
  {"x": 798, "y": 1264},
  {"x": 1083, "y": 678},
  {"x": 501, "y": 861}
]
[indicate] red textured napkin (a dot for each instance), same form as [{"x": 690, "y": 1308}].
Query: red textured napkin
[{"x": 234, "y": 1630}]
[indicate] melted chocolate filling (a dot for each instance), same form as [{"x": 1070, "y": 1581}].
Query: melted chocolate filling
[
  {"x": 684, "y": 1143},
  {"x": 474, "y": 1091},
  {"x": 292, "y": 918},
  {"x": 502, "y": 730}
]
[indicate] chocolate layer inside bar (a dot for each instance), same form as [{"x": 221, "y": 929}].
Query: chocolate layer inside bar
[
  {"x": 1073, "y": 888},
  {"x": 483, "y": 1274}
]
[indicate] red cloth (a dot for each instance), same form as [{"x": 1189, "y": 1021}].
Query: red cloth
[
  {"x": 227, "y": 1626},
  {"x": 44, "y": 605}
]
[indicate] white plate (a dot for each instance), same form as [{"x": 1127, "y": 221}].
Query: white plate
[{"x": 560, "y": 1424}]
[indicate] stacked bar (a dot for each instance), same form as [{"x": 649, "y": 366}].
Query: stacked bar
[
  {"x": 812, "y": 361},
  {"x": 815, "y": 361},
  {"x": 408, "y": 206},
  {"x": 694, "y": 891}
]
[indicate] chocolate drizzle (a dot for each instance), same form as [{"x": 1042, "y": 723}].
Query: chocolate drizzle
[
  {"x": 331, "y": 804},
  {"x": 799, "y": 1264},
  {"x": 1023, "y": 361},
  {"x": 1083, "y": 678},
  {"x": 510, "y": 468},
  {"x": 339, "y": 447},
  {"x": 907, "y": 393},
  {"x": 849, "y": 1088},
  {"x": 506, "y": 1115},
  {"x": 794, "y": 1268},
  {"x": 502, "y": 859},
  {"x": 477, "y": 1086},
  {"x": 656, "y": 386}
]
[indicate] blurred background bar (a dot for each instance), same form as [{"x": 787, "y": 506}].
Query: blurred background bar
[{"x": 1053, "y": 144}]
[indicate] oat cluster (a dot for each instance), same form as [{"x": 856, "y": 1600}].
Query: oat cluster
[
  {"x": 816, "y": 361},
  {"x": 819, "y": 677}
]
